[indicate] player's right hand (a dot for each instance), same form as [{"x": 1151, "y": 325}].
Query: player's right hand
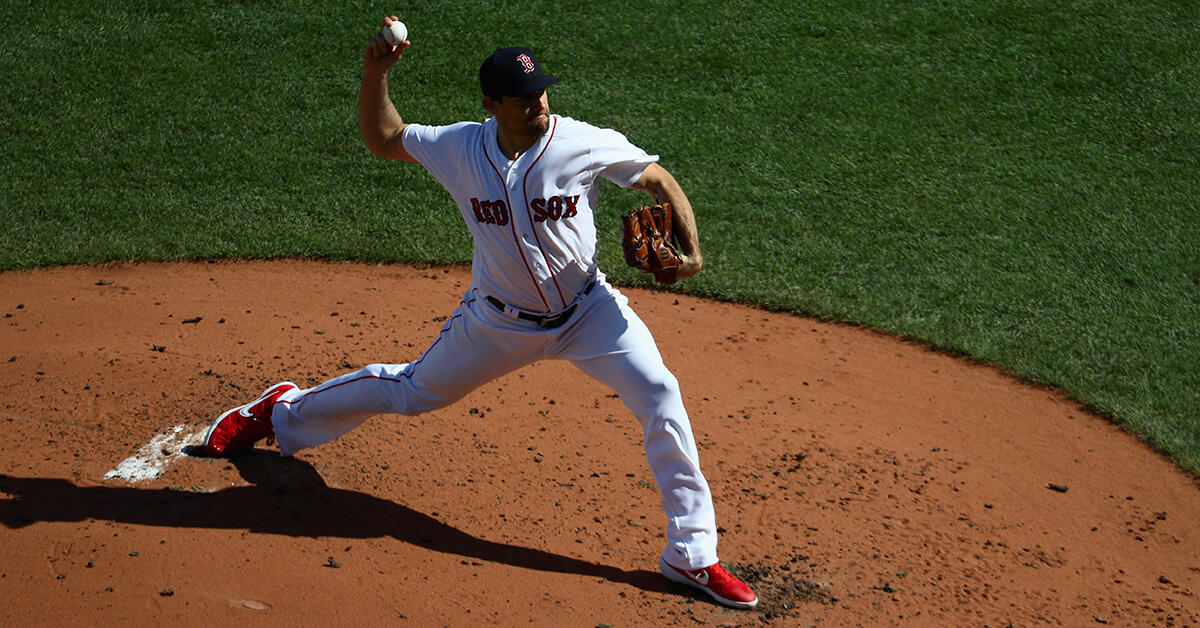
[{"x": 379, "y": 55}]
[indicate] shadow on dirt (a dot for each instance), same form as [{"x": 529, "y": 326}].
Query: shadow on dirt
[{"x": 287, "y": 496}]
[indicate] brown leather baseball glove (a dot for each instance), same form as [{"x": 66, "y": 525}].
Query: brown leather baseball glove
[{"x": 649, "y": 241}]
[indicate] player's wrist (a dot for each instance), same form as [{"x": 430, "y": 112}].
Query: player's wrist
[{"x": 375, "y": 74}]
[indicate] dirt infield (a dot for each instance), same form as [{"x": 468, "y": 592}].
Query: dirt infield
[{"x": 859, "y": 480}]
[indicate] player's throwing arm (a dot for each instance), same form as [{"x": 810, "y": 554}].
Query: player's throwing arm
[{"x": 378, "y": 120}]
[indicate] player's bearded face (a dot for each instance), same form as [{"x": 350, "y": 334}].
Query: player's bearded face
[{"x": 531, "y": 113}]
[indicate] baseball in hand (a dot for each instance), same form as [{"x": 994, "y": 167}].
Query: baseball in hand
[{"x": 395, "y": 33}]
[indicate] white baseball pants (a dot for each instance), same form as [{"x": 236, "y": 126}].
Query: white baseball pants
[{"x": 604, "y": 338}]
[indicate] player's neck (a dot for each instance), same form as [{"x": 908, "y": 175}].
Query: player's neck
[{"x": 513, "y": 145}]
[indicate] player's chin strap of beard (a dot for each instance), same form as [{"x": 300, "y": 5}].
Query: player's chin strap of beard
[{"x": 545, "y": 321}]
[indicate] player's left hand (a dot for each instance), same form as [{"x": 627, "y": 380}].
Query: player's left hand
[{"x": 648, "y": 241}]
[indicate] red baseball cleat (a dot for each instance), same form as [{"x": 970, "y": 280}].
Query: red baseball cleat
[
  {"x": 245, "y": 425},
  {"x": 713, "y": 580}
]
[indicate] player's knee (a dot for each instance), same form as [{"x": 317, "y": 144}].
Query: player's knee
[
  {"x": 663, "y": 398},
  {"x": 666, "y": 387}
]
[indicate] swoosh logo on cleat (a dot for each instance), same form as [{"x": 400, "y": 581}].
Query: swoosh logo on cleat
[{"x": 701, "y": 576}]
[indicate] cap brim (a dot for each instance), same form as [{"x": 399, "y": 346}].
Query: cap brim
[{"x": 542, "y": 82}]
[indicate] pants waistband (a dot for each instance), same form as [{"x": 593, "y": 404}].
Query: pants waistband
[{"x": 545, "y": 321}]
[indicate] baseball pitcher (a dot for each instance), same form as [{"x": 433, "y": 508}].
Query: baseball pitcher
[{"x": 526, "y": 182}]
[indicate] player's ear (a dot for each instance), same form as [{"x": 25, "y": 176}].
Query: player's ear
[{"x": 490, "y": 104}]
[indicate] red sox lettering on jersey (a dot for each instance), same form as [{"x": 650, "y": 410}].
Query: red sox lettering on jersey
[
  {"x": 490, "y": 212},
  {"x": 553, "y": 208}
]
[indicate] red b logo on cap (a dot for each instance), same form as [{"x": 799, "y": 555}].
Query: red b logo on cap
[{"x": 527, "y": 62}]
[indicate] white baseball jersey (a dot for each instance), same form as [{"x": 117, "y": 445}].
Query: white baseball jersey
[{"x": 533, "y": 218}]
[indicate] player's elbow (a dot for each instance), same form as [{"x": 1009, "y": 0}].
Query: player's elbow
[
  {"x": 376, "y": 148},
  {"x": 373, "y": 137}
]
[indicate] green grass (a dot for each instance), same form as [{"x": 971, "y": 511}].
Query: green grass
[{"x": 1016, "y": 181}]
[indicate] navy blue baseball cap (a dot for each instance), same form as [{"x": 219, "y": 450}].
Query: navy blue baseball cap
[{"x": 513, "y": 72}]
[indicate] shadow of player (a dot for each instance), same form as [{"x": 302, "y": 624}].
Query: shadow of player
[{"x": 286, "y": 496}]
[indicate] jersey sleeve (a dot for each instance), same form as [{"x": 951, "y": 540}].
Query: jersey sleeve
[
  {"x": 617, "y": 159},
  {"x": 439, "y": 148}
]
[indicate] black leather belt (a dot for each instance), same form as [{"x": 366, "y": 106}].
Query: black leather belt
[{"x": 545, "y": 321}]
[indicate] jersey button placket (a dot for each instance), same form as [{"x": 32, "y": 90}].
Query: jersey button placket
[{"x": 512, "y": 179}]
